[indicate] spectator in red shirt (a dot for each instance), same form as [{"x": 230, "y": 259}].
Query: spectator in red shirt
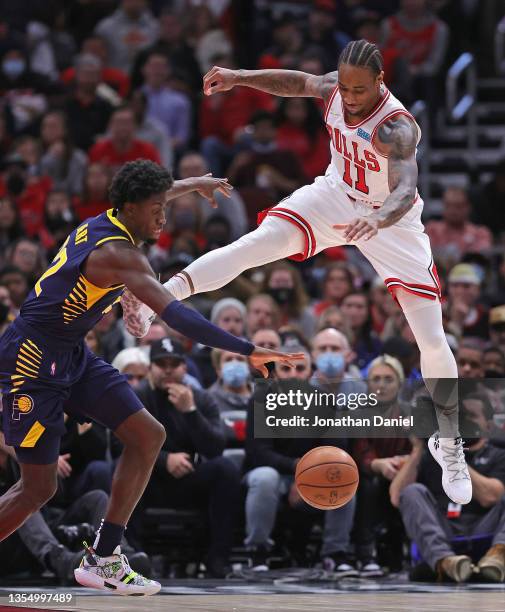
[
  {"x": 113, "y": 77},
  {"x": 223, "y": 118},
  {"x": 338, "y": 282},
  {"x": 122, "y": 146},
  {"x": 454, "y": 235},
  {"x": 95, "y": 197},
  {"x": 301, "y": 130}
]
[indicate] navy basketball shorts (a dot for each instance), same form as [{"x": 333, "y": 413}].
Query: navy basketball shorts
[{"x": 41, "y": 380}]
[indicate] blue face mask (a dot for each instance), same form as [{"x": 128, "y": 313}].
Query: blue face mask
[
  {"x": 13, "y": 67},
  {"x": 330, "y": 364},
  {"x": 235, "y": 373}
]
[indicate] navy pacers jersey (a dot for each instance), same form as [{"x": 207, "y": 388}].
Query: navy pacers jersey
[
  {"x": 64, "y": 304},
  {"x": 46, "y": 367}
]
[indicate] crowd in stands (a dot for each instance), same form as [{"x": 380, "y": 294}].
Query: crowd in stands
[{"x": 86, "y": 86}]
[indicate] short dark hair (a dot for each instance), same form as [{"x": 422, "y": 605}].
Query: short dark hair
[
  {"x": 487, "y": 407},
  {"x": 138, "y": 180},
  {"x": 363, "y": 54}
]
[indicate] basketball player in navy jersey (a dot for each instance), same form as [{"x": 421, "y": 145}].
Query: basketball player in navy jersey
[
  {"x": 46, "y": 368},
  {"x": 368, "y": 198}
]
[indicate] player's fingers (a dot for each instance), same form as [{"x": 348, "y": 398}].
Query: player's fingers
[
  {"x": 225, "y": 192},
  {"x": 361, "y": 233},
  {"x": 340, "y": 226}
]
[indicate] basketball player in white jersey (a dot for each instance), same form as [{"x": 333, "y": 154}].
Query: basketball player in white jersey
[{"x": 368, "y": 198}]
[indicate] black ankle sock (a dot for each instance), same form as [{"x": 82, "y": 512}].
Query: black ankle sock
[{"x": 109, "y": 537}]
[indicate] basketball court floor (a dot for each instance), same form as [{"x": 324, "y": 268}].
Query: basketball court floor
[{"x": 289, "y": 593}]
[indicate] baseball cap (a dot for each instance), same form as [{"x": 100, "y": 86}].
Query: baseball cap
[
  {"x": 464, "y": 273},
  {"x": 166, "y": 347},
  {"x": 497, "y": 315}
]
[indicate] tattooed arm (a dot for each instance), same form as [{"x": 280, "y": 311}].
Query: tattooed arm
[
  {"x": 287, "y": 83},
  {"x": 397, "y": 140}
]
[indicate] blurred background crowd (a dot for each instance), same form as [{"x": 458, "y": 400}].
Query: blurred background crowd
[{"x": 87, "y": 85}]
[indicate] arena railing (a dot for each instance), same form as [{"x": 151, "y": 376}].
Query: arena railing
[{"x": 461, "y": 102}]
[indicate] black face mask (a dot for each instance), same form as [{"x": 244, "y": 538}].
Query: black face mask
[
  {"x": 282, "y": 295},
  {"x": 56, "y": 223},
  {"x": 16, "y": 184}
]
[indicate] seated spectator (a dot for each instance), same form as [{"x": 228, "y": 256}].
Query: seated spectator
[
  {"x": 29, "y": 193},
  {"x": 170, "y": 107},
  {"x": 379, "y": 460},
  {"x": 229, "y": 314},
  {"x": 338, "y": 281},
  {"x": 455, "y": 235},
  {"x": 301, "y": 130},
  {"x": 26, "y": 94},
  {"x": 17, "y": 284},
  {"x": 150, "y": 129},
  {"x": 487, "y": 201},
  {"x": 333, "y": 317},
  {"x": 194, "y": 431},
  {"x": 223, "y": 119},
  {"x": 95, "y": 192},
  {"x": 263, "y": 173},
  {"x": 59, "y": 220},
  {"x": 205, "y": 37},
  {"x": 87, "y": 112},
  {"x": 11, "y": 228},
  {"x": 365, "y": 344},
  {"x": 431, "y": 520},
  {"x": 284, "y": 284},
  {"x": 121, "y": 146},
  {"x": 173, "y": 44},
  {"x": 112, "y": 77},
  {"x": 28, "y": 149},
  {"x": 133, "y": 363},
  {"x": 332, "y": 357},
  {"x": 28, "y": 256},
  {"x": 61, "y": 161},
  {"x": 131, "y": 28},
  {"x": 266, "y": 338},
  {"x": 322, "y": 32},
  {"x": 497, "y": 326},
  {"x": 287, "y": 44},
  {"x": 467, "y": 315},
  {"x": 262, "y": 313},
  {"x": 232, "y": 208},
  {"x": 421, "y": 37},
  {"x": 269, "y": 476},
  {"x": 82, "y": 466}
]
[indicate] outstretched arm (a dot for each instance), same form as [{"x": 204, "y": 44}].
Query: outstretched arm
[
  {"x": 115, "y": 264},
  {"x": 205, "y": 185},
  {"x": 397, "y": 140},
  {"x": 287, "y": 83}
]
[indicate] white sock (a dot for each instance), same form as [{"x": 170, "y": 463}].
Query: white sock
[
  {"x": 274, "y": 239},
  {"x": 438, "y": 365}
]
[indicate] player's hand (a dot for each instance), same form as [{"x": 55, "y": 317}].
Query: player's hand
[
  {"x": 181, "y": 396},
  {"x": 179, "y": 464},
  {"x": 218, "y": 79},
  {"x": 260, "y": 356},
  {"x": 208, "y": 185},
  {"x": 362, "y": 227},
  {"x": 64, "y": 468}
]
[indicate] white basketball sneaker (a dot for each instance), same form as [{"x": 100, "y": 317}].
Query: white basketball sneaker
[
  {"x": 137, "y": 316},
  {"x": 449, "y": 454},
  {"x": 112, "y": 574}
]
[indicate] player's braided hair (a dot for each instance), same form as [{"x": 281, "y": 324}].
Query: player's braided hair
[
  {"x": 362, "y": 53},
  {"x": 138, "y": 180}
]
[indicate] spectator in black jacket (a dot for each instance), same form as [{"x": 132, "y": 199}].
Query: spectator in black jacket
[
  {"x": 190, "y": 470},
  {"x": 270, "y": 465}
]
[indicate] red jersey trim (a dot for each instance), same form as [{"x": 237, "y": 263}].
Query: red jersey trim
[
  {"x": 330, "y": 102},
  {"x": 299, "y": 222},
  {"x": 373, "y": 112}
]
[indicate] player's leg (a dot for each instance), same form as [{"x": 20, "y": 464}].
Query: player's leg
[
  {"x": 401, "y": 254},
  {"x": 274, "y": 239},
  {"x": 104, "y": 395}
]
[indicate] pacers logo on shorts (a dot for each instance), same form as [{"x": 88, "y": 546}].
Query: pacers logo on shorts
[{"x": 21, "y": 404}]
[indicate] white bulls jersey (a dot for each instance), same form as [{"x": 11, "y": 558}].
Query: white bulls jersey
[{"x": 355, "y": 163}]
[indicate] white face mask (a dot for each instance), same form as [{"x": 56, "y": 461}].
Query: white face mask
[{"x": 13, "y": 67}]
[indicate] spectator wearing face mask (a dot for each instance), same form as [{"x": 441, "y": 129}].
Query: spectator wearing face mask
[
  {"x": 232, "y": 392},
  {"x": 59, "y": 220},
  {"x": 332, "y": 356},
  {"x": 284, "y": 283}
]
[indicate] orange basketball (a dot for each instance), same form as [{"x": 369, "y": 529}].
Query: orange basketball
[{"x": 327, "y": 477}]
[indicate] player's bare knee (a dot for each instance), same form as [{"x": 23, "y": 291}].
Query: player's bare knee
[{"x": 36, "y": 493}]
